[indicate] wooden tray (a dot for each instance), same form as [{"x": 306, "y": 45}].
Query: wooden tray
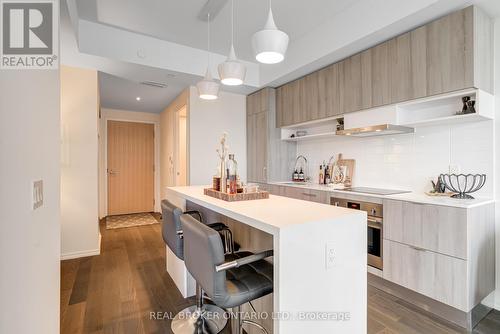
[{"x": 236, "y": 197}]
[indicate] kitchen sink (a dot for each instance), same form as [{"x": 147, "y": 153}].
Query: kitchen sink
[{"x": 295, "y": 183}]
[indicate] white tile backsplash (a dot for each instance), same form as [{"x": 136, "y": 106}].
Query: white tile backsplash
[{"x": 410, "y": 161}]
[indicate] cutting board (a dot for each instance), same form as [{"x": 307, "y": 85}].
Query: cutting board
[{"x": 349, "y": 164}]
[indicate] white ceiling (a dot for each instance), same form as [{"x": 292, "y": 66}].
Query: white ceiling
[
  {"x": 164, "y": 40},
  {"x": 177, "y": 21},
  {"x": 119, "y": 93}
]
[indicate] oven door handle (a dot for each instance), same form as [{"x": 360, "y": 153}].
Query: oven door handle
[{"x": 374, "y": 223}]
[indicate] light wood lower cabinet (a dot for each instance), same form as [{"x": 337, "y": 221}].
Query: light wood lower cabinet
[
  {"x": 445, "y": 253},
  {"x": 440, "y": 277},
  {"x": 437, "y": 228}
]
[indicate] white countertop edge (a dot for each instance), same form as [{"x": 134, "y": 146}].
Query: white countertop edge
[
  {"x": 407, "y": 197},
  {"x": 258, "y": 223}
]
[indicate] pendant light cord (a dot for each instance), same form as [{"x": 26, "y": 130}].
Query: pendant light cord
[
  {"x": 208, "y": 40},
  {"x": 232, "y": 22}
]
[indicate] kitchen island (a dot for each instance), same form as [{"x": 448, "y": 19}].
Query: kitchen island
[{"x": 319, "y": 259}]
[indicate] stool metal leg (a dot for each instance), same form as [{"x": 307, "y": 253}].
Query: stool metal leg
[
  {"x": 239, "y": 321},
  {"x": 200, "y": 318}
]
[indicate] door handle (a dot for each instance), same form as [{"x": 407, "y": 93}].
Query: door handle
[{"x": 112, "y": 172}]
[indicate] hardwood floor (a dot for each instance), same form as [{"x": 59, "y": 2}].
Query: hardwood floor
[{"x": 116, "y": 291}]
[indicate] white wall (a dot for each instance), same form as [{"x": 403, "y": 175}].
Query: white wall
[
  {"x": 128, "y": 116},
  {"x": 79, "y": 163},
  {"x": 410, "y": 161},
  {"x": 207, "y": 122},
  {"x": 29, "y": 240},
  {"x": 497, "y": 154}
]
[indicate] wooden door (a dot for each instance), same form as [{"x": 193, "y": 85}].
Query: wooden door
[{"x": 130, "y": 167}]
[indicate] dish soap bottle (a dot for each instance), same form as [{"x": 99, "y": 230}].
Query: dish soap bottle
[
  {"x": 321, "y": 176},
  {"x": 301, "y": 175},
  {"x": 295, "y": 175}
]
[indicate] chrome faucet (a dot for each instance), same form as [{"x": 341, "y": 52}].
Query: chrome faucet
[{"x": 305, "y": 167}]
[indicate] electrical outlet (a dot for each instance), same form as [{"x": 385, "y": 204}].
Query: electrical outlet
[
  {"x": 454, "y": 169},
  {"x": 37, "y": 194},
  {"x": 330, "y": 255}
]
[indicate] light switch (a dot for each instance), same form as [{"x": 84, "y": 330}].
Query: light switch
[
  {"x": 37, "y": 194},
  {"x": 330, "y": 255}
]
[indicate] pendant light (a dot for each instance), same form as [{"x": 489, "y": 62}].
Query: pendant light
[
  {"x": 208, "y": 88},
  {"x": 270, "y": 44},
  {"x": 232, "y": 72}
]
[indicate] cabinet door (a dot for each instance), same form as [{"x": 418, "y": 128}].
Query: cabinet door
[
  {"x": 251, "y": 149},
  {"x": 352, "y": 83},
  {"x": 334, "y": 89},
  {"x": 279, "y": 107},
  {"x": 434, "y": 275},
  {"x": 263, "y": 98},
  {"x": 450, "y": 53},
  {"x": 297, "y": 93},
  {"x": 381, "y": 86},
  {"x": 418, "y": 48},
  {"x": 312, "y": 97},
  {"x": 294, "y": 192},
  {"x": 437, "y": 228},
  {"x": 261, "y": 137},
  {"x": 251, "y": 99},
  {"x": 400, "y": 68},
  {"x": 366, "y": 79},
  {"x": 317, "y": 196},
  {"x": 284, "y": 110}
]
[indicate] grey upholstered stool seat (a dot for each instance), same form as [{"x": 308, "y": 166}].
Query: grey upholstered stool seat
[
  {"x": 229, "y": 280},
  {"x": 184, "y": 321},
  {"x": 245, "y": 283}
]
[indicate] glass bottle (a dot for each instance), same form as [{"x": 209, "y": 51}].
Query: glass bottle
[{"x": 232, "y": 167}]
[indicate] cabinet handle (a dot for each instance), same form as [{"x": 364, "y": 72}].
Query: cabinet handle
[
  {"x": 310, "y": 195},
  {"x": 418, "y": 248}
]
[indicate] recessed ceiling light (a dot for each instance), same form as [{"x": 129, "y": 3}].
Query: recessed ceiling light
[{"x": 138, "y": 98}]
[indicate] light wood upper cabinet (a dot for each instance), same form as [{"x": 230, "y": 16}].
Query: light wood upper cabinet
[
  {"x": 418, "y": 55},
  {"x": 298, "y": 92},
  {"x": 381, "y": 84},
  {"x": 366, "y": 79},
  {"x": 400, "y": 68},
  {"x": 352, "y": 83},
  {"x": 264, "y": 142},
  {"x": 335, "y": 89},
  {"x": 452, "y": 53}
]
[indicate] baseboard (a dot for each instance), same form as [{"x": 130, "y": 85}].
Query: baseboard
[{"x": 85, "y": 253}]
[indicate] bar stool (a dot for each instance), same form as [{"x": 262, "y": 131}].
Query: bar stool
[
  {"x": 230, "y": 280},
  {"x": 172, "y": 234}
]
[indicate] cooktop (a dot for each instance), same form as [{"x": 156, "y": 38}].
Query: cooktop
[{"x": 375, "y": 191}]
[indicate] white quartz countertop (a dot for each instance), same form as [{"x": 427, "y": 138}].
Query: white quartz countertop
[
  {"x": 408, "y": 197},
  {"x": 270, "y": 215}
]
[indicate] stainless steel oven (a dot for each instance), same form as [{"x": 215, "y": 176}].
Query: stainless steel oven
[{"x": 374, "y": 225}]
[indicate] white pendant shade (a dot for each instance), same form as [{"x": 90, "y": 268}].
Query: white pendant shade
[
  {"x": 270, "y": 44},
  {"x": 232, "y": 72},
  {"x": 208, "y": 88}
]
